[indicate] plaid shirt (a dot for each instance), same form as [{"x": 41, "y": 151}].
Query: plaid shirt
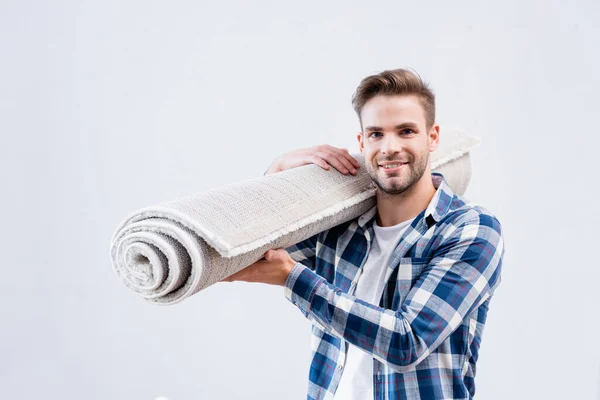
[{"x": 426, "y": 331}]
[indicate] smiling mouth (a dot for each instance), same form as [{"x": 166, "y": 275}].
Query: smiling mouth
[{"x": 393, "y": 167}]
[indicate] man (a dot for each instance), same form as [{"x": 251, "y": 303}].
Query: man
[{"x": 398, "y": 297}]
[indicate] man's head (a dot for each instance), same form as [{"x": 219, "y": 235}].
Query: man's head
[{"x": 396, "y": 110}]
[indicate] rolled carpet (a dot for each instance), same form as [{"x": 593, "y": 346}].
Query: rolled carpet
[{"x": 170, "y": 251}]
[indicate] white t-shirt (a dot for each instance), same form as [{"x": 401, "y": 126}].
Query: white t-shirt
[{"x": 356, "y": 382}]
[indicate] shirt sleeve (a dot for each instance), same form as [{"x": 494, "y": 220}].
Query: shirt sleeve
[
  {"x": 305, "y": 252},
  {"x": 463, "y": 273}
]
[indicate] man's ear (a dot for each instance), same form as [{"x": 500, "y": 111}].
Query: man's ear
[
  {"x": 361, "y": 144},
  {"x": 433, "y": 138}
]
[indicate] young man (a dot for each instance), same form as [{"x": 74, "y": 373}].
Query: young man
[{"x": 398, "y": 297}]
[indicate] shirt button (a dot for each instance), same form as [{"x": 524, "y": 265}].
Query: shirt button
[{"x": 339, "y": 366}]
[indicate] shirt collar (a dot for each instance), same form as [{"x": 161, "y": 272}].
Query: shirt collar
[{"x": 438, "y": 206}]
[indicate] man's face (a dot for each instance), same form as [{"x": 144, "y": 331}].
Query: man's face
[{"x": 394, "y": 132}]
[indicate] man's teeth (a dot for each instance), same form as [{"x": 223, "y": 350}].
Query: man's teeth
[{"x": 392, "y": 166}]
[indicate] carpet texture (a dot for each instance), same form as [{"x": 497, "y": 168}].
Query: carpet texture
[{"x": 170, "y": 251}]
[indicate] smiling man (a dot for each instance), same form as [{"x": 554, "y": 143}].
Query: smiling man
[{"x": 398, "y": 297}]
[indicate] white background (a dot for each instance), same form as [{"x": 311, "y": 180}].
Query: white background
[{"x": 109, "y": 106}]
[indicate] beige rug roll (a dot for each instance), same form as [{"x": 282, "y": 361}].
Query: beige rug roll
[{"x": 170, "y": 251}]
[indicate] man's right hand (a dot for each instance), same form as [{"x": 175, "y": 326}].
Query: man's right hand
[{"x": 323, "y": 155}]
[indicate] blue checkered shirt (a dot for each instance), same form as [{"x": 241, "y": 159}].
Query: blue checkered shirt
[{"x": 425, "y": 332}]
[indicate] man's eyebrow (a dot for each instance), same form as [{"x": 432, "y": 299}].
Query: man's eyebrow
[
  {"x": 401, "y": 126},
  {"x": 406, "y": 125}
]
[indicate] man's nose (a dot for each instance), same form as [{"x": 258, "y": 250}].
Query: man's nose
[{"x": 391, "y": 144}]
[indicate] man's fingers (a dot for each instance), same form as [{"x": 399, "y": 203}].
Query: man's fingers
[
  {"x": 346, "y": 160},
  {"x": 266, "y": 270},
  {"x": 238, "y": 276},
  {"x": 333, "y": 161},
  {"x": 353, "y": 160},
  {"x": 323, "y": 155},
  {"x": 319, "y": 161},
  {"x": 338, "y": 161},
  {"x": 249, "y": 273},
  {"x": 346, "y": 154}
]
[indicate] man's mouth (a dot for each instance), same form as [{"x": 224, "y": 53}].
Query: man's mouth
[{"x": 392, "y": 167}]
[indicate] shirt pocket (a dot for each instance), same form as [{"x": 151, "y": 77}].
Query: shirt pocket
[{"x": 409, "y": 271}]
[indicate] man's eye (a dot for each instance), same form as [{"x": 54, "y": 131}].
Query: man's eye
[
  {"x": 407, "y": 131},
  {"x": 375, "y": 133}
]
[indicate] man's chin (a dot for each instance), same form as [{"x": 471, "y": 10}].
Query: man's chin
[{"x": 391, "y": 189}]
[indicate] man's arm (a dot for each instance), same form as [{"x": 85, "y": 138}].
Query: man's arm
[
  {"x": 305, "y": 252},
  {"x": 276, "y": 265},
  {"x": 463, "y": 274},
  {"x": 322, "y": 155}
]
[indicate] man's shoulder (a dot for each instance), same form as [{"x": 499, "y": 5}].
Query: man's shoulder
[
  {"x": 464, "y": 212},
  {"x": 461, "y": 212},
  {"x": 335, "y": 232}
]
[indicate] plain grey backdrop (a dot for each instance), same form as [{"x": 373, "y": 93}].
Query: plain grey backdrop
[{"x": 108, "y": 106}]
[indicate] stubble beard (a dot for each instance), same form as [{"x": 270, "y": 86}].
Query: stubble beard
[{"x": 402, "y": 180}]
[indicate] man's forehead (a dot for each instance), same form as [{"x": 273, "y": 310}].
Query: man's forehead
[{"x": 389, "y": 111}]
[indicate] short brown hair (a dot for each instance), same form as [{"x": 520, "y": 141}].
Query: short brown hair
[{"x": 395, "y": 82}]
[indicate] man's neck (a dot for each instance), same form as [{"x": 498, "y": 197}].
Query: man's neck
[{"x": 394, "y": 209}]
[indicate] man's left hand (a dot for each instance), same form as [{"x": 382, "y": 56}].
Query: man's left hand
[{"x": 273, "y": 270}]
